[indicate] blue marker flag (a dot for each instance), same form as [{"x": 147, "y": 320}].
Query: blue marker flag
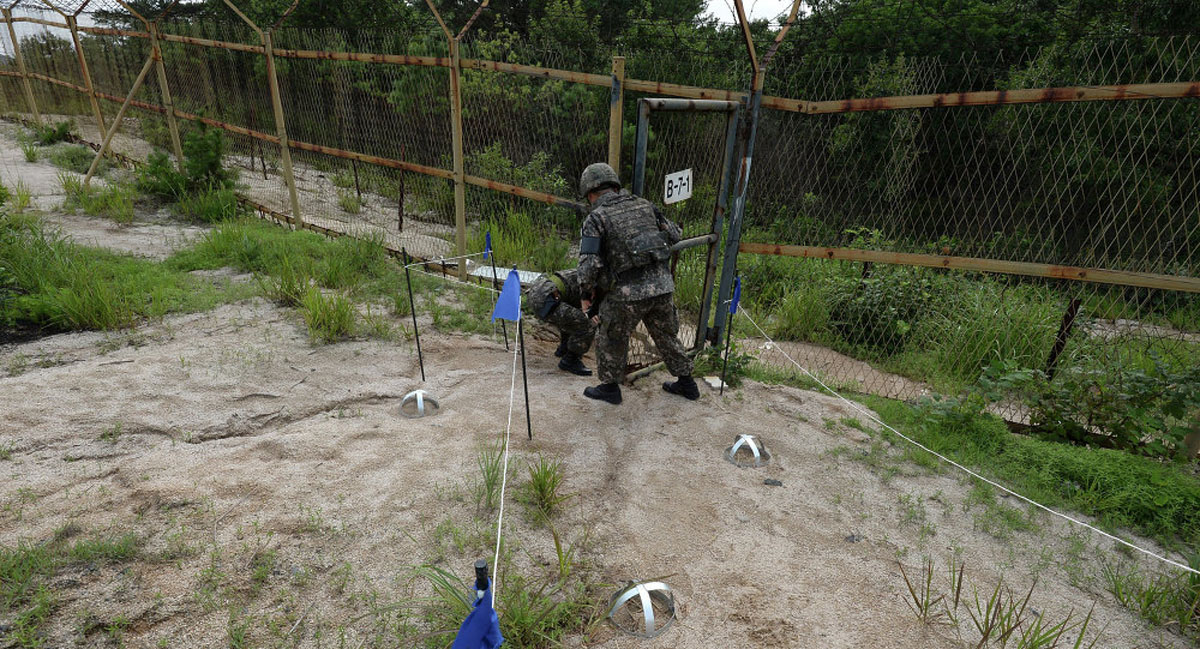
[
  {"x": 481, "y": 629},
  {"x": 487, "y": 244},
  {"x": 737, "y": 295},
  {"x": 508, "y": 305}
]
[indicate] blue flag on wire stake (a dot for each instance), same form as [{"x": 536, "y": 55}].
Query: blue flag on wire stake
[
  {"x": 481, "y": 629},
  {"x": 508, "y": 305},
  {"x": 487, "y": 244},
  {"x": 737, "y": 295}
]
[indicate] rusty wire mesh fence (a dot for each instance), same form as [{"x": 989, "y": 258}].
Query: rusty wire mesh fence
[
  {"x": 881, "y": 199},
  {"x": 894, "y": 239}
]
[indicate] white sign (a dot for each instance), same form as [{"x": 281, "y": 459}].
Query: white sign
[{"x": 678, "y": 187}]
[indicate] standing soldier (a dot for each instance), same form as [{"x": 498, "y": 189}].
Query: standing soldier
[
  {"x": 624, "y": 251},
  {"x": 555, "y": 299}
]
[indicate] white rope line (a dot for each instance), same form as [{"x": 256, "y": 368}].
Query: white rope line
[
  {"x": 947, "y": 460},
  {"x": 512, "y": 391},
  {"x": 443, "y": 259},
  {"x": 455, "y": 281}
]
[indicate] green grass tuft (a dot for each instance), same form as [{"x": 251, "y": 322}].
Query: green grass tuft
[
  {"x": 114, "y": 200},
  {"x": 209, "y": 205},
  {"x": 330, "y": 318},
  {"x": 1121, "y": 490},
  {"x": 77, "y": 158},
  {"x": 60, "y": 286},
  {"x": 47, "y": 134}
]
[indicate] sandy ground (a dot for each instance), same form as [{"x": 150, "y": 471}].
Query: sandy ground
[
  {"x": 216, "y": 437},
  {"x": 220, "y": 437}
]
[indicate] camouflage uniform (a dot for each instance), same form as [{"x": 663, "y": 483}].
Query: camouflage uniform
[
  {"x": 557, "y": 303},
  {"x": 625, "y": 253}
]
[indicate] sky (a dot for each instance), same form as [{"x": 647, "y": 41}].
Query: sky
[{"x": 755, "y": 9}]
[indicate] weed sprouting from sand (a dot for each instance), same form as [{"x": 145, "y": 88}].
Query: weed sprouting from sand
[
  {"x": 999, "y": 618},
  {"x": 542, "y": 492},
  {"x": 490, "y": 461},
  {"x": 330, "y": 318}
]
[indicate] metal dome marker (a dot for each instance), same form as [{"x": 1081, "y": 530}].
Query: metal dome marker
[
  {"x": 759, "y": 451},
  {"x": 649, "y": 594},
  {"x": 418, "y": 403}
]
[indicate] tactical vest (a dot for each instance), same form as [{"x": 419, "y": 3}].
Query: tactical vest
[{"x": 633, "y": 238}]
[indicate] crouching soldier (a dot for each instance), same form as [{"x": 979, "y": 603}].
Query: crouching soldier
[{"x": 554, "y": 298}]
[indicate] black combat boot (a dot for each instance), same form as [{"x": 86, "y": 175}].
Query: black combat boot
[
  {"x": 610, "y": 392},
  {"x": 685, "y": 387},
  {"x": 562, "y": 348},
  {"x": 573, "y": 364}
]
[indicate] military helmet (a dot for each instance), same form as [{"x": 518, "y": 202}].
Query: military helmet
[{"x": 597, "y": 176}]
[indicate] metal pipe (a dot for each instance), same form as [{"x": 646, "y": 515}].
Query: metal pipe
[
  {"x": 1060, "y": 340},
  {"x": 112, "y": 130},
  {"x": 639, "y": 147},
  {"x": 412, "y": 309},
  {"x": 718, "y": 223},
  {"x": 737, "y": 213},
  {"x": 695, "y": 241},
  {"x": 524, "y": 374},
  {"x": 87, "y": 75},
  {"x": 692, "y": 105},
  {"x": 165, "y": 91},
  {"x": 12, "y": 34},
  {"x": 281, "y": 128}
]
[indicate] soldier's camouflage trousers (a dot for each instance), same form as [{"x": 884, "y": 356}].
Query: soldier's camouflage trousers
[
  {"x": 618, "y": 319},
  {"x": 573, "y": 325}
]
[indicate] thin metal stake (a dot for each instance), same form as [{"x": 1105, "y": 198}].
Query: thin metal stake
[
  {"x": 728, "y": 334},
  {"x": 412, "y": 308},
  {"x": 503, "y": 326},
  {"x": 524, "y": 374}
]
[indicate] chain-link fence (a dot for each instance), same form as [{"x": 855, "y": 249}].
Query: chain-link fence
[{"x": 909, "y": 223}]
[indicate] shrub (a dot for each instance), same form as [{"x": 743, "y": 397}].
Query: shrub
[
  {"x": 4, "y": 194},
  {"x": 879, "y": 312},
  {"x": 1128, "y": 407},
  {"x": 203, "y": 150},
  {"x": 159, "y": 178},
  {"x": 538, "y": 174}
]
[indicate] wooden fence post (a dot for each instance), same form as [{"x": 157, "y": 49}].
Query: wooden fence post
[
  {"x": 281, "y": 130},
  {"x": 460, "y": 188},
  {"x": 86, "y": 73},
  {"x": 165, "y": 91},
  {"x": 12, "y": 34},
  {"x": 616, "y": 103}
]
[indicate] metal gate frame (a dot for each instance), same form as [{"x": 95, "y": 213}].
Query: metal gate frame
[{"x": 713, "y": 239}]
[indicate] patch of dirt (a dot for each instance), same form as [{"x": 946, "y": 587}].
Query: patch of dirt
[{"x": 220, "y": 437}]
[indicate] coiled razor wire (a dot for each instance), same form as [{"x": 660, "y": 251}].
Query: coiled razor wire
[{"x": 743, "y": 311}]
